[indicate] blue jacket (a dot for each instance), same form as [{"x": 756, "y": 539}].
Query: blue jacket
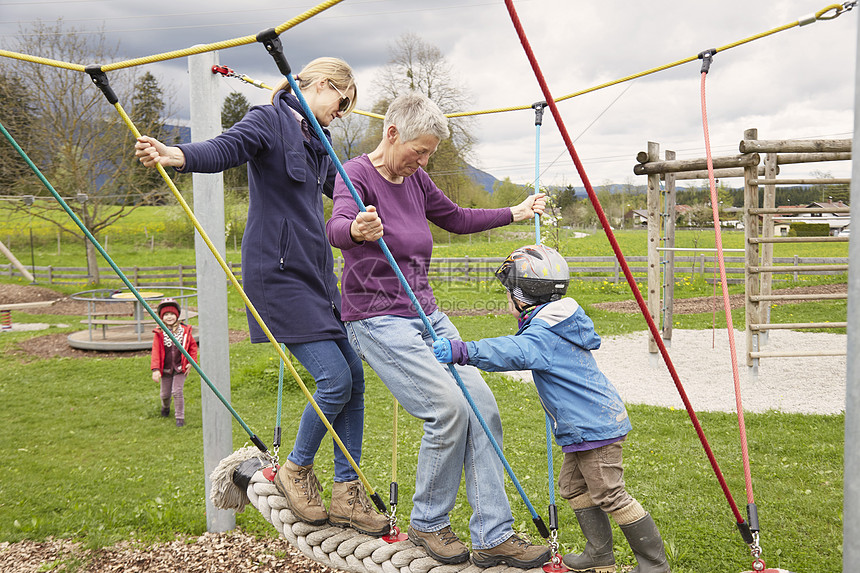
[
  {"x": 555, "y": 343},
  {"x": 287, "y": 265}
]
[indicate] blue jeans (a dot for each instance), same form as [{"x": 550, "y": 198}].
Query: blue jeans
[
  {"x": 400, "y": 351},
  {"x": 339, "y": 378}
]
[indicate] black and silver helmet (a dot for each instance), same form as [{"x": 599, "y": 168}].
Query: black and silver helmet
[{"x": 535, "y": 274}]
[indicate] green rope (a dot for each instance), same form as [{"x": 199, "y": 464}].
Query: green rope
[{"x": 131, "y": 287}]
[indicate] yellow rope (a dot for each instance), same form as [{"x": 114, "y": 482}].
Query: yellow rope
[
  {"x": 219, "y": 45},
  {"x": 820, "y": 15},
  {"x": 837, "y": 9},
  {"x": 46, "y": 61},
  {"x": 248, "y": 303}
]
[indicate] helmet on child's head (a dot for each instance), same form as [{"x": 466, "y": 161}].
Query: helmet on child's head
[
  {"x": 537, "y": 272},
  {"x": 167, "y": 304}
]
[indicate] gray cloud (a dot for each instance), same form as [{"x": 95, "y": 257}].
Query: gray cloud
[{"x": 795, "y": 84}]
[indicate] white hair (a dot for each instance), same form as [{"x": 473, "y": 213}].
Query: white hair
[{"x": 414, "y": 115}]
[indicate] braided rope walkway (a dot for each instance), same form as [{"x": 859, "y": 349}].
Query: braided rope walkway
[{"x": 346, "y": 549}]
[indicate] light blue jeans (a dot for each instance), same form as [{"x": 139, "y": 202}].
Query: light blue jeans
[
  {"x": 339, "y": 377},
  {"x": 400, "y": 351}
]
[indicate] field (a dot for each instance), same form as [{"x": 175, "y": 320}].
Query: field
[{"x": 88, "y": 459}]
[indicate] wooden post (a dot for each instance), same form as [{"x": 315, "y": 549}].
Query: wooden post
[
  {"x": 654, "y": 228},
  {"x": 767, "y": 233},
  {"x": 669, "y": 258},
  {"x": 751, "y": 227}
]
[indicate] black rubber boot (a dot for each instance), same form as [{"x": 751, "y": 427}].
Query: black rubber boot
[
  {"x": 647, "y": 545},
  {"x": 598, "y": 556}
]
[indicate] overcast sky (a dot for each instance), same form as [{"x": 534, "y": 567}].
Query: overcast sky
[{"x": 797, "y": 84}]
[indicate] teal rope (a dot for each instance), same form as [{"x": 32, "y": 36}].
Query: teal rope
[{"x": 131, "y": 287}]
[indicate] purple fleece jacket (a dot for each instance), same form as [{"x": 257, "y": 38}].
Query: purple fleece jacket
[{"x": 369, "y": 285}]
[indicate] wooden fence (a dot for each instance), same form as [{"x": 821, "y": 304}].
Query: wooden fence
[{"x": 462, "y": 269}]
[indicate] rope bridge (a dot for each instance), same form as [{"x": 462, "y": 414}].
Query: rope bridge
[{"x": 244, "y": 478}]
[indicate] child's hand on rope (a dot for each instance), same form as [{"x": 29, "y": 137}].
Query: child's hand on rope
[
  {"x": 450, "y": 351},
  {"x": 156, "y": 376},
  {"x": 442, "y": 350},
  {"x": 152, "y": 152},
  {"x": 367, "y": 226},
  {"x": 533, "y": 205}
]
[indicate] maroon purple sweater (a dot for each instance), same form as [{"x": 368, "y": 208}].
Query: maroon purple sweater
[{"x": 369, "y": 285}]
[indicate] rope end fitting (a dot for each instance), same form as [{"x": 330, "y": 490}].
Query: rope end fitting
[
  {"x": 380, "y": 505},
  {"x": 746, "y": 533},
  {"x": 259, "y": 443},
  {"x": 707, "y": 57},
  {"x": 541, "y": 527},
  {"x": 101, "y": 81},
  {"x": 539, "y": 107},
  {"x": 752, "y": 517},
  {"x": 272, "y": 42}
]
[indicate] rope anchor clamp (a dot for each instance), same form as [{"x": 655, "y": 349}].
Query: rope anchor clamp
[
  {"x": 272, "y": 42},
  {"x": 539, "y": 107},
  {"x": 707, "y": 57},
  {"x": 100, "y": 79}
]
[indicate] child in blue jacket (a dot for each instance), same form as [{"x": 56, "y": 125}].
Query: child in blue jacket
[{"x": 589, "y": 420}]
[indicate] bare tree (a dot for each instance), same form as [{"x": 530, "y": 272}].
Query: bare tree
[
  {"x": 417, "y": 65},
  {"x": 79, "y": 141},
  {"x": 354, "y": 134}
]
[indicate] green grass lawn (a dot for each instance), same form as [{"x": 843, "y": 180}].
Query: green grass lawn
[{"x": 87, "y": 456}]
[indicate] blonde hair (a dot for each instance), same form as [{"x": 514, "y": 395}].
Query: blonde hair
[{"x": 333, "y": 69}]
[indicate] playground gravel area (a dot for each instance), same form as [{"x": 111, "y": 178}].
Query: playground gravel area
[{"x": 702, "y": 359}]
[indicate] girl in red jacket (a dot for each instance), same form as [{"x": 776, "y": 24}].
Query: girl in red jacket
[{"x": 169, "y": 365}]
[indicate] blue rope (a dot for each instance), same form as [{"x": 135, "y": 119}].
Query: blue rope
[
  {"x": 550, "y": 470},
  {"x": 130, "y": 286},
  {"x": 313, "y": 121}
]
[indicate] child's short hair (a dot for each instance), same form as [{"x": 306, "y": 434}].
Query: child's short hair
[{"x": 535, "y": 274}]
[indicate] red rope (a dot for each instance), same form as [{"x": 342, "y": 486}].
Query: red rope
[
  {"x": 601, "y": 215},
  {"x": 726, "y": 304}
]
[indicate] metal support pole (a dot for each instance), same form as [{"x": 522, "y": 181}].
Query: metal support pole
[
  {"x": 211, "y": 287},
  {"x": 851, "y": 507}
]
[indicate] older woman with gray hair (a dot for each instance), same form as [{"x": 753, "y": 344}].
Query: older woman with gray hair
[{"x": 388, "y": 333}]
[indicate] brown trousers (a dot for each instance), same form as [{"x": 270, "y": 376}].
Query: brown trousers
[{"x": 597, "y": 472}]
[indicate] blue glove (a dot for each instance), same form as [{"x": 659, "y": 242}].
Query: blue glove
[{"x": 442, "y": 350}]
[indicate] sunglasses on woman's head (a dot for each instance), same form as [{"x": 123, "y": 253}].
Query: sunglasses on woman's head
[{"x": 344, "y": 100}]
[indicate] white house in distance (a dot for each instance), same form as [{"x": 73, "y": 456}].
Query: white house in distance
[{"x": 838, "y": 221}]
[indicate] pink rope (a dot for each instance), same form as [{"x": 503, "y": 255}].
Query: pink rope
[
  {"x": 726, "y": 304},
  {"x": 601, "y": 215}
]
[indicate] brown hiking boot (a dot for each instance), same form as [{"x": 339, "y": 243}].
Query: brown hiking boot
[
  {"x": 515, "y": 552},
  {"x": 300, "y": 486},
  {"x": 350, "y": 507},
  {"x": 442, "y": 545}
]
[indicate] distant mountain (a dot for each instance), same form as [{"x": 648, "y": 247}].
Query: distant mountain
[{"x": 482, "y": 178}]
